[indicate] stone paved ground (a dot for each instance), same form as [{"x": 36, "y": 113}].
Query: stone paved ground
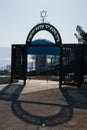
[{"x": 42, "y": 106}]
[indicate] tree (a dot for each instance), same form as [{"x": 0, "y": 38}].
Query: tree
[{"x": 81, "y": 36}]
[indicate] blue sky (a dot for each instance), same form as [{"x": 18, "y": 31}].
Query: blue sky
[{"x": 17, "y": 17}]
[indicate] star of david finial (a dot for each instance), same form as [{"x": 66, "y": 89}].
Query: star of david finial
[{"x": 43, "y": 15}]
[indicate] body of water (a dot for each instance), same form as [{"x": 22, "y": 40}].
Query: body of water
[{"x": 5, "y": 56}]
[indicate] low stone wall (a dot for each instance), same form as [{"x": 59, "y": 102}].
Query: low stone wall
[
  {"x": 52, "y": 78},
  {"x": 4, "y": 79}
]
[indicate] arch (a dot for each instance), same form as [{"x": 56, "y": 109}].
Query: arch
[{"x": 47, "y": 27}]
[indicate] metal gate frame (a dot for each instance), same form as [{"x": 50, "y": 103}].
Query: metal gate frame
[
  {"x": 79, "y": 64},
  {"x": 19, "y": 62}
]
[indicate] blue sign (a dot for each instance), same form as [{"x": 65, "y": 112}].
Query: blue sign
[{"x": 52, "y": 50}]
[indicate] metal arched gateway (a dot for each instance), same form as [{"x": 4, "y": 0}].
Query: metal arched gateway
[
  {"x": 73, "y": 57},
  {"x": 20, "y": 52}
]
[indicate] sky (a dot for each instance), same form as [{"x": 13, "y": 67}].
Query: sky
[{"x": 18, "y": 17}]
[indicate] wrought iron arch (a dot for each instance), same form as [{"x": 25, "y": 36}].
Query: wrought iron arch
[{"x": 47, "y": 27}]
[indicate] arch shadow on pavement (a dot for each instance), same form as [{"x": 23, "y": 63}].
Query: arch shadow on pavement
[
  {"x": 12, "y": 92},
  {"x": 64, "y": 115},
  {"x": 75, "y": 98}
]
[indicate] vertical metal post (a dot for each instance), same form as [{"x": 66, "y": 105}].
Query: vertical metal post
[
  {"x": 80, "y": 66},
  {"x": 12, "y": 62},
  {"x": 11, "y": 80},
  {"x": 24, "y": 63},
  {"x": 60, "y": 67}
]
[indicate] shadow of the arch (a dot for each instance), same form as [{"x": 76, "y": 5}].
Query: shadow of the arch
[
  {"x": 64, "y": 115},
  {"x": 11, "y": 92},
  {"x": 76, "y": 98}
]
